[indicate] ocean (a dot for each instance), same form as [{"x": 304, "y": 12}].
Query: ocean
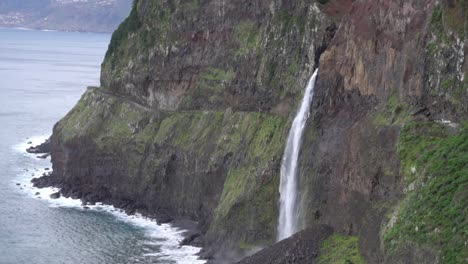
[{"x": 42, "y": 75}]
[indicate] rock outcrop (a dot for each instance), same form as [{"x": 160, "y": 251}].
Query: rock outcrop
[
  {"x": 43, "y": 148},
  {"x": 196, "y": 101},
  {"x": 301, "y": 248}
]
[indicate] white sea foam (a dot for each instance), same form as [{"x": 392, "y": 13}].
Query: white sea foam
[
  {"x": 33, "y": 29},
  {"x": 165, "y": 236},
  {"x": 22, "y": 28},
  {"x": 29, "y": 142}
]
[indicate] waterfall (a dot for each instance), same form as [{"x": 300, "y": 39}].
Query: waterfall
[{"x": 289, "y": 214}]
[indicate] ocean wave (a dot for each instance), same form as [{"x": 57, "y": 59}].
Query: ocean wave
[
  {"x": 35, "y": 29},
  {"x": 22, "y": 28}
]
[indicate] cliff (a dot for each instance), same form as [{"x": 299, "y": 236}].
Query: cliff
[{"x": 197, "y": 98}]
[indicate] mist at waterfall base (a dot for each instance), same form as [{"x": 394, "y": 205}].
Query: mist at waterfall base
[
  {"x": 43, "y": 74},
  {"x": 290, "y": 215}
]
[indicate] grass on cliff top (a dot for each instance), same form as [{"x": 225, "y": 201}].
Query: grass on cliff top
[
  {"x": 339, "y": 249},
  {"x": 435, "y": 211}
]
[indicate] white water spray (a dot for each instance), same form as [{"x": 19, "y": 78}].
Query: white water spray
[{"x": 289, "y": 213}]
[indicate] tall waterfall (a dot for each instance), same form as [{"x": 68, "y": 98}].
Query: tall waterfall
[{"x": 289, "y": 213}]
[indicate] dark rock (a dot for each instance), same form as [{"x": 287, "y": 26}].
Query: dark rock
[
  {"x": 37, "y": 193},
  {"x": 75, "y": 194},
  {"x": 30, "y": 142},
  {"x": 46, "y": 180},
  {"x": 43, "y": 156},
  {"x": 47, "y": 169},
  {"x": 421, "y": 111},
  {"x": 18, "y": 184},
  {"x": 55, "y": 195},
  {"x": 189, "y": 239},
  {"x": 90, "y": 198},
  {"x": 164, "y": 219},
  {"x": 301, "y": 248},
  {"x": 40, "y": 149},
  {"x": 130, "y": 211}
]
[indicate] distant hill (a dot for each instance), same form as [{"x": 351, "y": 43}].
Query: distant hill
[{"x": 66, "y": 15}]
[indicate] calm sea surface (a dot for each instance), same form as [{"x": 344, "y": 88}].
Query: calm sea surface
[{"x": 42, "y": 75}]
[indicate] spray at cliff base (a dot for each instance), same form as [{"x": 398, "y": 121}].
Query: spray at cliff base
[{"x": 289, "y": 214}]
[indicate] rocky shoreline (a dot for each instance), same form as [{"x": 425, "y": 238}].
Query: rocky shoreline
[
  {"x": 192, "y": 234},
  {"x": 43, "y": 148}
]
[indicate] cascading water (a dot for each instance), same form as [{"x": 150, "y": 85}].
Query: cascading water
[{"x": 289, "y": 214}]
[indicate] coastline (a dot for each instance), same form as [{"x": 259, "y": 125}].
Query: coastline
[
  {"x": 181, "y": 237},
  {"x": 53, "y": 30}
]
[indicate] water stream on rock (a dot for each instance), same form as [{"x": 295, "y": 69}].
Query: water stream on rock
[{"x": 289, "y": 215}]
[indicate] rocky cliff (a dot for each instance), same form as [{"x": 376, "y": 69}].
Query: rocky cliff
[{"x": 196, "y": 101}]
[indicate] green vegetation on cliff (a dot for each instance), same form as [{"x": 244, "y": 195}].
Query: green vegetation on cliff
[
  {"x": 394, "y": 112},
  {"x": 247, "y": 35},
  {"x": 445, "y": 49},
  {"x": 339, "y": 249},
  {"x": 449, "y": 18},
  {"x": 246, "y": 147},
  {"x": 131, "y": 24},
  {"x": 251, "y": 188},
  {"x": 435, "y": 211}
]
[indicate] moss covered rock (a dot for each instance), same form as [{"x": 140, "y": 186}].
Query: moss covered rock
[{"x": 434, "y": 213}]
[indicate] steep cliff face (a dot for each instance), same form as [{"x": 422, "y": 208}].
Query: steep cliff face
[
  {"x": 193, "y": 112},
  {"x": 196, "y": 101},
  {"x": 386, "y": 70},
  {"x": 212, "y": 55}
]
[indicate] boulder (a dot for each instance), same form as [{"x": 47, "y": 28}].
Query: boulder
[{"x": 55, "y": 195}]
